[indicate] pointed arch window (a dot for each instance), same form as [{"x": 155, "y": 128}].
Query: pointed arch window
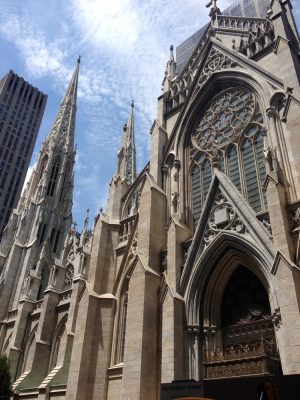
[
  {"x": 65, "y": 181},
  {"x": 53, "y": 177},
  {"x": 252, "y": 190},
  {"x": 58, "y": 345},
  {"x": 231, "y": 130},
  {"x": 233, "y": 166},
  {"x": 122, "y": 326},
  {"x": 200, "y": 181},
  {"x": 43, "y": 166},
  {"x": 260, "y": 161}
]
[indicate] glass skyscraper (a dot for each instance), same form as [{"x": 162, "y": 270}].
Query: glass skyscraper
[
  {"x": 21, "y": 110},
  {"x": 243, "y": 8}
]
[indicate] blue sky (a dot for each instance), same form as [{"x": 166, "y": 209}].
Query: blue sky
[{"x": 124, "y": 46}]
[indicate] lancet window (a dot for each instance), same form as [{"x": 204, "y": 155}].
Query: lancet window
[
  {"x": 122, "y": 326},
  {"x": 231, "y": 132},
  {"x": 53, "y": 177},
  {"x": 65, "y": 180},
  {"x": 43, "y": 166},
  {"x": 43, "y": 282}
]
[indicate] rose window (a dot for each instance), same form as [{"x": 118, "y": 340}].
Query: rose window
[
  {"x": 225, "y": 120},
  {"x": 231, "y": 130}
]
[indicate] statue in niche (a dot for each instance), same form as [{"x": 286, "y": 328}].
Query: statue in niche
[
  {"x": 53, "y": 276},
  {"x": 174, "y": 202}
]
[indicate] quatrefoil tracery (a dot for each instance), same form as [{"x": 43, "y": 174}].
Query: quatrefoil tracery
[{"x": 233, "y": 113}]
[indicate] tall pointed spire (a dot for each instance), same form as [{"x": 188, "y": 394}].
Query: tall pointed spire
[
  {"x": 41, "y": 230},
  {"x": 71, "y": 93},
  {"x": 170, "y": 72},
  {"x": 127, "y": 155},
  {"x": 60, "y": 139},
  {"x": 62, "y": 131}
]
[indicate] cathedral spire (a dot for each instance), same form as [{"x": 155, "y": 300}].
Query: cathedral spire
[
  {"x": 43, "y": 218},
  {"x": 127, "y": 156},
  {"x": 71, "y": 93},
  {"x": 45, "y": 180},
  {"x": 62, "y": 131}
]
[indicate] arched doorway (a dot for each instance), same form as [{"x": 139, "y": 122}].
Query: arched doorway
[{"x": 244, "y": 341}]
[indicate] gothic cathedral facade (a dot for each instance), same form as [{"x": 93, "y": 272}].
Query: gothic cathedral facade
[{"x": 193, "y": 270}]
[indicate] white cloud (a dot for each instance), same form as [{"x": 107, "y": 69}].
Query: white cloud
[
  {"x": 124, "y": 46},
  {"x": 111, "y": 23}
]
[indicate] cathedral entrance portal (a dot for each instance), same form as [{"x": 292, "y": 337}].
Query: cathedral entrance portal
[{"x": 244, "y": 344}]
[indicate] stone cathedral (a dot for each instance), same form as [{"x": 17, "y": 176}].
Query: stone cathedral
[{"x": 189, "y": 280}]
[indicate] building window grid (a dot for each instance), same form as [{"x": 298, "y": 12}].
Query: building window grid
[{"x": 14, "y": 116}]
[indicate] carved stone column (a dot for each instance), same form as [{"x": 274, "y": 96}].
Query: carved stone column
[
  {"x": 164, "y": 170},
  {"x": 194, "y": 336},
  {"x": 276, "y": 198}
]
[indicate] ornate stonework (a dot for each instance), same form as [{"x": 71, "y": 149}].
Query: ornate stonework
[
  {"x": 223, "y": 217},
  {"x": 191, "y": 272}
]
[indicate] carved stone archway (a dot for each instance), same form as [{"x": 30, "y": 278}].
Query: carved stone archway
[
  {"x": 239, "y": 340},
  {"x": 204, "y": 292}
]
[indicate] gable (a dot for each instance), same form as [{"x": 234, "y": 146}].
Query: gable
[
  {"x": 226, "y": 212},
  {"x": 219, "y": 66}
]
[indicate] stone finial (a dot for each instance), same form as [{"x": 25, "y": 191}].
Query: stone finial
[
  {"x": 87, "y": 218},
  {"x": 214, "y": 10},
  {"x": 172, "y": 53}
]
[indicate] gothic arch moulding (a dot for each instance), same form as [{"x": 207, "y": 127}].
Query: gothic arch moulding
[
  {"x": 57, "y": 345},
  {"x": 234, "y": 335},
  {"x": 209, "y": 274},
  {"x": 29, "y": 350},
  {"x": 217, "y": 82},
  {"x": 244, "y": 127}
]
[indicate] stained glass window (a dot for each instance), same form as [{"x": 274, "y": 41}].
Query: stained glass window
[{"x": 232, "y": 128}]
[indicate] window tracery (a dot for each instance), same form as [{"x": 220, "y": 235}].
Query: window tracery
[
  {"x": 232, "y": 130},
  {"x": 53, "y": 177},
  {"x": 68, "y": 280}
]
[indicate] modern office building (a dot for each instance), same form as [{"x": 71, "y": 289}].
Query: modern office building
[
  {"x": 242, "y": 8},
  {"x": 21, "y": 111}
]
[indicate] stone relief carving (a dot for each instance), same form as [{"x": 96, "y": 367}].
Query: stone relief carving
[
  {"x": 295, "y": 217},
  {"x": 222, "y": 217},
  {"x": 233, "y": 115},
  {"x": 68, "y": 280},
  {"x": 216, "y": 61}
]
